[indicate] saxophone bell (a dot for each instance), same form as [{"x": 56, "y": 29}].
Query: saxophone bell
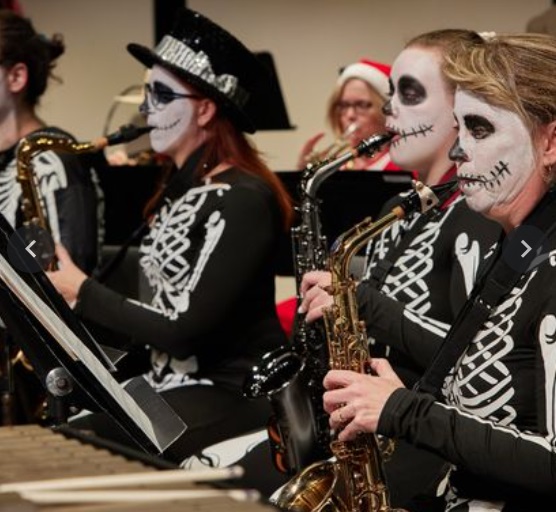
[{"x": 296, "y": 430}]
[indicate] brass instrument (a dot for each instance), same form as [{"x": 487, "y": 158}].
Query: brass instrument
[
  {"x": 341, "y": 144},
  {"x": 355, "y": 481},
  {"x": 32, "y": 204},
  {"x": 291, "y": 376}
]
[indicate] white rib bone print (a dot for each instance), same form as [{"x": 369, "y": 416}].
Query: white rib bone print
[
  {"x": 482, "y": 384},
  {"x": 164, "y": 256},
  {"x": 406, "y": 282},
  {"x": 173, "y": 276}
]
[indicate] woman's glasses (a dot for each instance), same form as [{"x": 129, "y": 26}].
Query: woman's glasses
[
  {"x": 359, "y": 107},
  {"x": 161, "y": 94}
]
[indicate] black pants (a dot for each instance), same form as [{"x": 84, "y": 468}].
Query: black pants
[{"x": 212, "y": 414}]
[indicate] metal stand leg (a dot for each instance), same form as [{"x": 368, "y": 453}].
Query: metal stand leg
[
  {"x": 58, "y": 384},
  {"x": 7, "y": 386}
]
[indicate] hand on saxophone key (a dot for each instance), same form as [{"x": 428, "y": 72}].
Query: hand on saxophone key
[
  {"x": 355, "y": 400},
  {"x": 315, "y": 297}
]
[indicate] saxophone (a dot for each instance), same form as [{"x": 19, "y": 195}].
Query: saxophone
[
  {"x": 32, "y": 203},
  {"x": 291, "y": 376},
  {"x": 355, "y": 481}
]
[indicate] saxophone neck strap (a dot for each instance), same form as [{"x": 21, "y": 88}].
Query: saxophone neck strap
[
  {"x": 102, "y": 272},
  {"x": 494, "y": 283},
  {"x": 177, "y": 184}
]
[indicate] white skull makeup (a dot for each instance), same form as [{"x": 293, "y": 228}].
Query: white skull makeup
[
  {"x": 494, "y": 152},
  {"x": 419, "y": 110},
  {"x": 169, "y": 109}
]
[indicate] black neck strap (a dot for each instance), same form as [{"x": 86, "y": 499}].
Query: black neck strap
[
  {"x": 496, "y": 280},
  {"x": 180, "y": 181}
]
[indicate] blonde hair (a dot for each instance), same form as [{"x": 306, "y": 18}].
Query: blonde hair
[{"x": 512, "y": 71}]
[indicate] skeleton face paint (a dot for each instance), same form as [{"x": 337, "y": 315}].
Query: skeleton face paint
[
  {"x": 419, "y": 111},
  {"x": 494, "y": 151},
  {"x": 170, "y": 111}
]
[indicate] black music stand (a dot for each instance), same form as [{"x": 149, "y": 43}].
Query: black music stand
[
  {"x": 267, "y": 107},
  {"x": 72, "y": 367},
  {"x": 345, "y": 198}
]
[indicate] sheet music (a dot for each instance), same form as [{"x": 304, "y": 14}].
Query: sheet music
[{"x": 75, "y": 348}]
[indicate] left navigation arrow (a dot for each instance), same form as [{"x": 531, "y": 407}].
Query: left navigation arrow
[
  {"x": 28, "y": 248},
  {"x": 31, "y": 249}
]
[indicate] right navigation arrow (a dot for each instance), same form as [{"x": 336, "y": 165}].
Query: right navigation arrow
[{"x": 527, "y": 248}]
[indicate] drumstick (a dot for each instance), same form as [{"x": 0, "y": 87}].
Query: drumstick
[
  {"x": 132, "y": 496},
  {"x": 119, "y": 480}
]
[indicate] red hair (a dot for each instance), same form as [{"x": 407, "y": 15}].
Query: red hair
[{"x": 229, "y": 144}]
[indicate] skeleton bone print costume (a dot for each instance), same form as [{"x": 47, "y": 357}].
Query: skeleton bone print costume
[
  {"x": 73, "y": 200},
  {"x": 183, "y": 259},
  {"x": 494, "y": 390},
  {"x": 426, "y": 286},
  {"x": 209, "y": 258},
  {"x": 174, "y": 257}
]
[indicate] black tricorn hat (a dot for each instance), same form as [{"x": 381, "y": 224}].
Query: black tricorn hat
[{"x": 211, "y": 60}]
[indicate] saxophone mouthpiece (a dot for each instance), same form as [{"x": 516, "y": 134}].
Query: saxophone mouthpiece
[
  {"x": 444, "y": 191},
  {"x": 425, "y": 198},
  {"x": 126, "y": 133},
  {"x": 373, "y": 144}
]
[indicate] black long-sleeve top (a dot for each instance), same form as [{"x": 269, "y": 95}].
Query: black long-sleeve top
[
  {"x": 496, "y": 421},
  {"x": 210, "y": 261},
  {"x": 410, "y": 314}
]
